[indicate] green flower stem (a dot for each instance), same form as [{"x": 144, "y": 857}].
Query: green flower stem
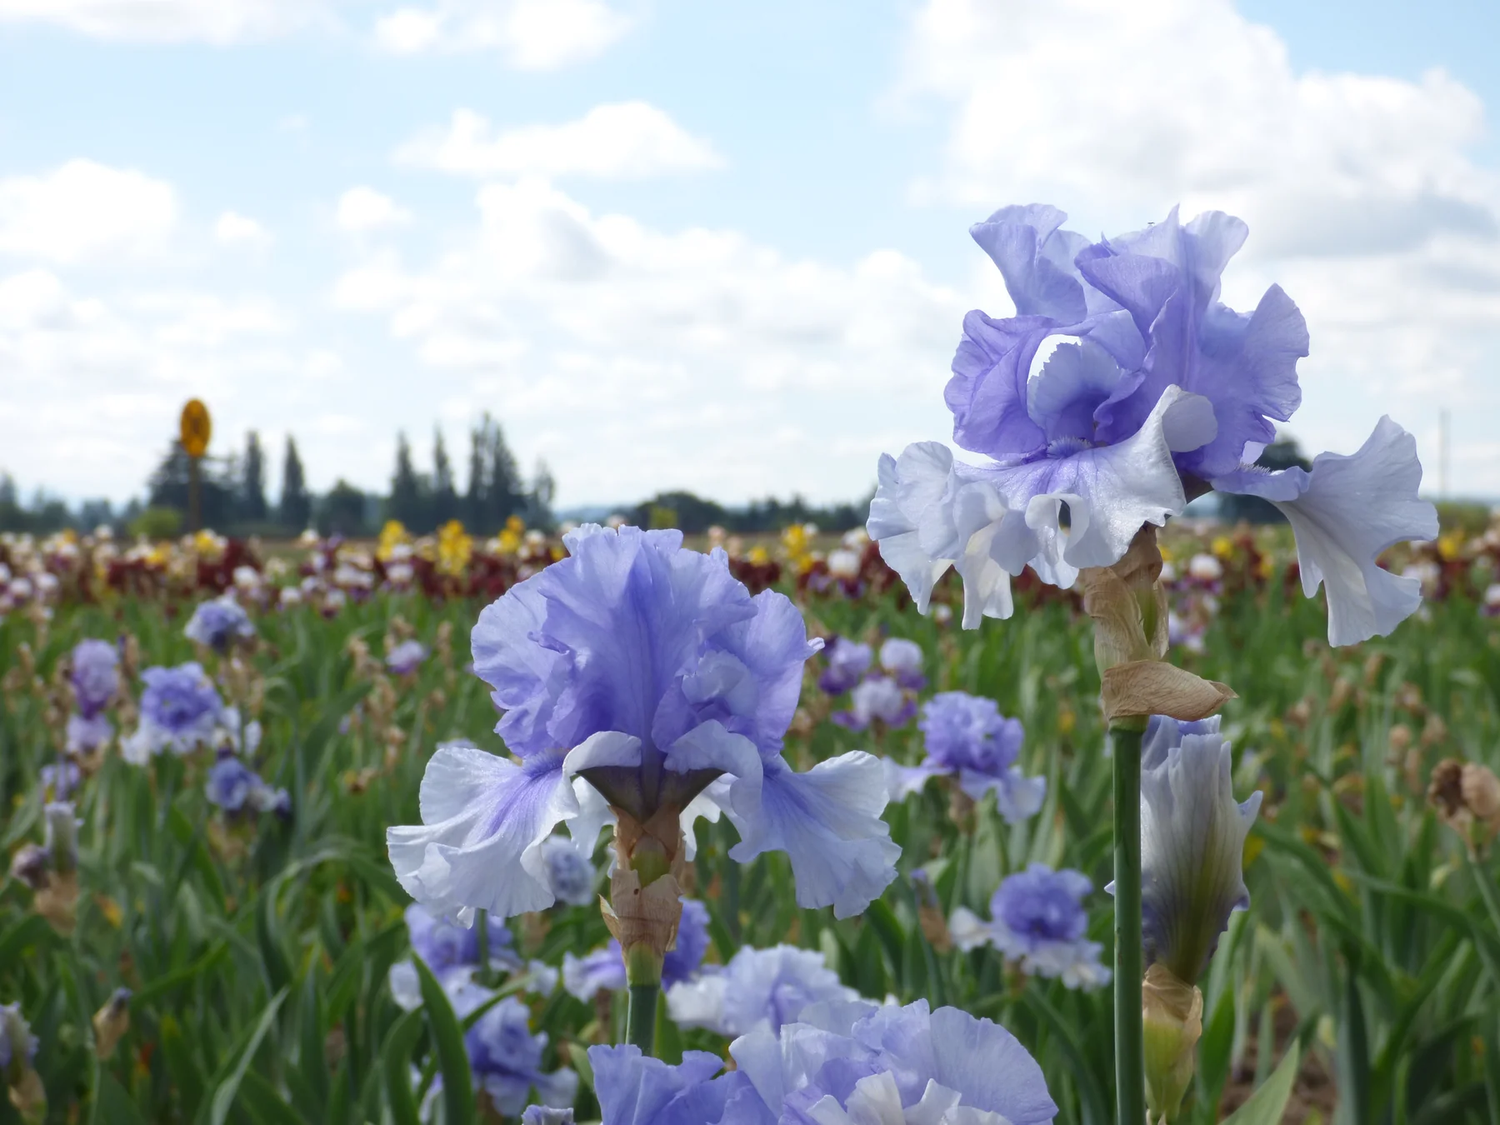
[
  {"x": 643, "y": 973},
  {"x": 1130, "y": 1083}
]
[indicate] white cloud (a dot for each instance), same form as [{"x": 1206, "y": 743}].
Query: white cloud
[
  {"x": 170, "y": 21},
  {"x": 363, "y": 209},
  {"x": 635, "y": 359},
  {"x": 83, "y": 211},
  {"x": 628, "y": 140},
  {"x": 530, "y": 34},
  {"x": 1360, "y": 194},
  {"x": 234, "y": 229},
  {"x": 94, "y": 385}
]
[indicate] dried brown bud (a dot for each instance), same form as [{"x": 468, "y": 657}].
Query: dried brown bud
[
  {"x": 1400, "y": 738},
  {"x": 1339, "y": 697},
  {"x": 1435, "y": 731},
  {"x": 1466, "y": 796},
  {"x": 58, "y": 902},
  {"x": 1129, "y": 609},
  {"x": 29, "y": 1097},
  {"x": 1481, "y": 792},
  {"x": 111, "y": 1022}
]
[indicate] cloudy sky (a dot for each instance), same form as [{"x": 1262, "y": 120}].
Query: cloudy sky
[{"x": 716, "y": 245}]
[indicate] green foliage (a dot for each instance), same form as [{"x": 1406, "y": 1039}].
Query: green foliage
[
  {"x": 259, "y": 951},
  {"x": 1467, "y": 516},
  {"x": 157, "y": 523}
]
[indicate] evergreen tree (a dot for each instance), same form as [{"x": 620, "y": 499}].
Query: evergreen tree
[
  {"x": 539, "y": 503},
  {"x": 444, "y": 498},
  {"x": 296, "y": 506},
  {"x": 407, "y": 502},
  {"x": 505, "y": 495},
  {"x": 474, "y": 498},
  {"x": 343, "y": 511},
  {"x": 253, "y": 481},
  {"x": 170, "y": 484}
]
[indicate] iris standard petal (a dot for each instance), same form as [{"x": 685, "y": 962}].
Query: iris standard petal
[
  {"x": 1344, "y": 513},
  {"x": 1109, "y": 491},
  {"x": 987, "y": 393},
  {"x": 526, "y": 677},
  {"x": 1036, "y": 259}
]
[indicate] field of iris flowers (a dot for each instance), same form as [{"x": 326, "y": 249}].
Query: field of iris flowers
[{"x": 201, "y": 922}]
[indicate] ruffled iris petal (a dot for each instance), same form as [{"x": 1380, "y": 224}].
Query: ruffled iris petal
[
  {"x": 1344, "y": 513},
  {"x": 484, "y": 820},
  {"x": 828, "y": 822}
]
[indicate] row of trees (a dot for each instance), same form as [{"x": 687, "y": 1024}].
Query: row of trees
[
  {"x": 234, "y": 498},
  {"x": 695, "y": 515},
  {"x": 233, "y": 491}
]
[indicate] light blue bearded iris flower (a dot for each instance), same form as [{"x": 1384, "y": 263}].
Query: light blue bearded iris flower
[
  {"x": 646, "y": 675},
  {"x": 218, "y": 623},
  {"x": 1154, "y": 392},
  {"x": 569, "y": 872},
  {"x": 1037, "y": 919},
  {"x": 847, "y": 661},
  {"x": 405, "y": 658},
  {"x": 95, "y": 676},
  {"x": 769, "y": 987},
  {"x": 180, "y": 711},
  {"x": 844, "y": 1064},
  {"x": 967, "y": 737}
]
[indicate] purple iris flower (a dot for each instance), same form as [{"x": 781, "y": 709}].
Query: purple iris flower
[
  {"x": 847, "y": 662},
  {"x": 85, "y": 734},
  {"x": 635, "y": 1089},
  {"x": 1154, "y": 392},
  {"x": 966, "y": 736},
  {"x": 61, "y": 778},
  {"x": 180, "y": 710},
  {"x": 444, "y": 946},
  {"x": 845, "y": 1063},
  {"x": 230, "y": 783},
  {"x": 96, "y": 676},
  {"x": 235, "y": 787},
  {"x": 877, "y": 698},
  {"x": 505, "y": 1057},
  {"x": 1038, "y": 919},
  {"x": 903, "y": 660},
  {"x": 759, "y": 986},
  {"x": 647, "y": 673},
  {"x": 569, "y": 872},
  {"x": 218, "y": 623},
  {"x": 405, "y": 658}
]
